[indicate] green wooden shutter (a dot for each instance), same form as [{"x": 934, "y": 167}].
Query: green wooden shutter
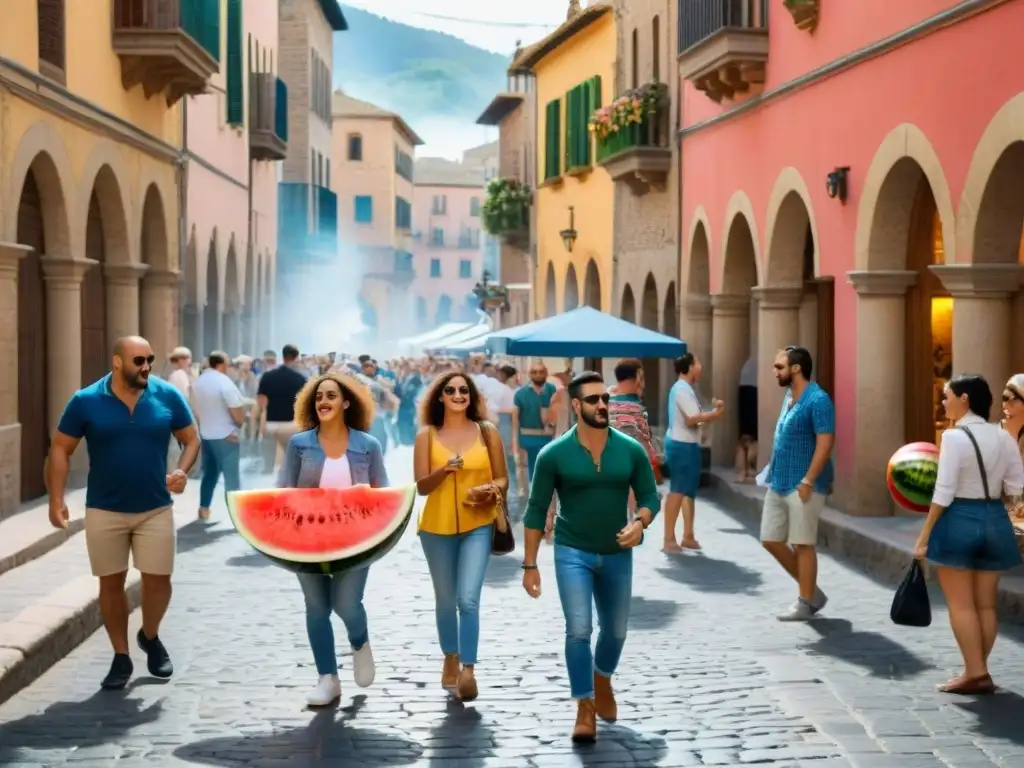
[
  {"x": 593, "y": 104},
  {"x": 552, "y": 146},
  {"x": 235, "y": 86}
]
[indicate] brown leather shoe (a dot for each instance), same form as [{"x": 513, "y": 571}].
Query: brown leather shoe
[
  {"x": 450, "y": 673},
  {"x": 467, "y": 688},
  {"x": 604, "y": 699},
  {"x": 585, "y": 730}
]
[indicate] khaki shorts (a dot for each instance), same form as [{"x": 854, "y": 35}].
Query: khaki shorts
[
  {"x": 787, "y": 519},
  {"x": 149, "y": 537}
]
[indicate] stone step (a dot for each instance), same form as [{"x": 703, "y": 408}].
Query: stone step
[{"x": 28, "y": 535}]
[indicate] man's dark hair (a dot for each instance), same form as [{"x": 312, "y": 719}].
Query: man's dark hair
[
  {"x": 218, "y": 358},
  {"x": 581, "y": 379},
  {"x": 270, "y": 353},
  {"x": 363, "y": 359},
  {"x": 628, "y": 369},
  {"x": 289, "y": 352},
  {"x": 508, "y": 371},
  {"x": 684, "y": 364},
  {"x": 979, "y": 393},
  {"x": 800, "y": 356}
]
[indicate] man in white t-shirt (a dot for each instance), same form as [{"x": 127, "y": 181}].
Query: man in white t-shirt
[
  {"x": 683, "y": 451},
  {"x": 180, "y": 375},
  {"x": 492, "y": 389},
  {"x": 219, "y": 408},
  {"x": 504, "y": 406}
]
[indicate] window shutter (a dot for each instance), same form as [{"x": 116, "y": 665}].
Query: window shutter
[
  {"x": 552, "y": 146},
  {"x": 51, "y": 32},
  {"x": 235, "y": 87},
  {"x": 593, "y": 104}
]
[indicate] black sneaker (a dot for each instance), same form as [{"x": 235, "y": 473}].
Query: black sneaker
[
  {"x": 158, "y": 661},
  {"x": 120, "y": 673}
]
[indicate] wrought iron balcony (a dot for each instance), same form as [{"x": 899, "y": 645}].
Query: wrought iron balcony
[
  {"x": 723, "y": 45},
  {"x": 167, "y": 46},
  {"x": 268, "y": 116},
  {"x": 639, "y": 153}
]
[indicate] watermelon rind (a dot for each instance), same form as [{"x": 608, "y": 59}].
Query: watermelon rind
[
  {"x": 903, "y": 501},
  {"x": 358, "y": 556}
]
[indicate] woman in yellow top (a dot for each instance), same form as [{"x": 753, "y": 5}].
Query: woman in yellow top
[{"x": 460, "y": 467}]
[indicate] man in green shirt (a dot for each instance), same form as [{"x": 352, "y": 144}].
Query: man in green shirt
[
  {"x": 593, "y": 468},
  {"x": 532, "y": 423}
]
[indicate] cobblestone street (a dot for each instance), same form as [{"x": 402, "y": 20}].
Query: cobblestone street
[{"x": 709, "y": 677}]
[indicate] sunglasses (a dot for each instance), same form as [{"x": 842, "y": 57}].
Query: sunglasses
[
  {"x": 1007, "y": 398},
  {"x": 595, "y": 399},
  {"x": 452, "y": 390},
  {"x": 138, "y": 361}
]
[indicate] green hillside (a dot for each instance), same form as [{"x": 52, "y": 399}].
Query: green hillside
[{"x": 417, "y": 72}]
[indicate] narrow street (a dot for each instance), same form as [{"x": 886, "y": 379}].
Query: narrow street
[{"x": 709, "y": 677}]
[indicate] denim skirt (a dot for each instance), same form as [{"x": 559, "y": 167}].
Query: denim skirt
[{"x": 976, "y": 535}]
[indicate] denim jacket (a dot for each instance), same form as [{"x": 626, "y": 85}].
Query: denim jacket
[{"x": 304, "y": 461}]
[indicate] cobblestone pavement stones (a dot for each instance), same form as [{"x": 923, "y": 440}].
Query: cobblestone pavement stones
[{"x": 709, "y": 677}]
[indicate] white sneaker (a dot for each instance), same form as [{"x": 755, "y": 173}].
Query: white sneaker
[
  {"x": 363, "y": 668},
  {"x": 327, "y": 691},
  {"x": 801, "y": 610}
]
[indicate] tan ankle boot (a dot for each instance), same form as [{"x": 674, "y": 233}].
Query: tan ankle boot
[
  {"x": 585, "y": 730},
  {"x": 450, "y": 672},
  {"x": 467, "y": 687},
  {"x": 604, "y": 699}
]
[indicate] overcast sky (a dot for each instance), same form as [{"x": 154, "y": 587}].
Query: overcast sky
[{"x": 494, "y": 26}]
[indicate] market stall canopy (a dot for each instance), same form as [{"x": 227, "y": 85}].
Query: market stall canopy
[
  {"x": 476, "y": 343},
  {"x": 584, "y": 332},
  {"x": 438, "y": 333},
  {"x": 442, "y": 345}
]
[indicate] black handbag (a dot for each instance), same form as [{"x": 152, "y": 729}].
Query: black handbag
[
  {"x": 502, "y": 540},
  {"x": 911, "y": 606}
]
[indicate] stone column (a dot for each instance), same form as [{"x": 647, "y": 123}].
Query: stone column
[
  {"x": 730, "y": 346},
  {"x": 231, "y": 335},
  {"x": 697, "y": 334},
  {"x": 778, "y": 327},
  {"x": 982, "y": 317},
  {"x": 880, "y": 416},
  {"x": 250, "y": 336},
  {"x": 10, "y": 429},
  {"x": 161, "y": 290},
  {"x": 122, "y": 284}
]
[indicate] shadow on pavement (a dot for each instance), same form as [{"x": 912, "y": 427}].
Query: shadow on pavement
[
  {"x": 648, "y": 615},
  {"x": 328, "y": 740},
  {"x": 462, "y": 738},
  {"x": 67, "y": 726},
  {"x": 998, "y": 716},
  {"x": 251, "y": 559},
  {"x": 199, "y": 534},
  {"x": 503, "y": 571},
  {"x": 880, "y": 655},
  {"x": 620, "y": 746},
  {"x": 710, "y": 575}
]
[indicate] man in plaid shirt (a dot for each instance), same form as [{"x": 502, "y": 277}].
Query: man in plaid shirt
[{"x": 799, "y": 477}]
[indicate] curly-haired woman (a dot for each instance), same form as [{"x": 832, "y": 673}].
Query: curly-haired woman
[
  {"x": 460, "y": 467},
  {"x": 333, "y": 449}
]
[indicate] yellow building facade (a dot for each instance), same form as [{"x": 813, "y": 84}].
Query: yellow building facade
[
  {"x": 89, "y": 147},
  {"x": 574, "y": 69}
]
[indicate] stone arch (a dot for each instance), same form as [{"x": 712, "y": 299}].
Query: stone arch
[
  {"x": 592, "y": 286},
  {"x": 105, "y": 176},
  {"x": 550, "y": 292},
  {"x": 161, "y": 195},
  {"x": 627, "y": 309},
  {"x": 650, "y": 311},
  {"x": 740, "y": 222},
  {"x": 233, "y": 302},
  {"x": 670, "y": 314},
  {"x": 212, "y": 304},
  {"x": 991, "y": 212},
  {"x": 154, "y": 245},
  {"x": 888, "y": 196},
  {"x": 42, "y": 153},
  {"x": 250, "y": 302},
  {"x": 790, "y": 215},
  {"x": 650, "y": 318},
  {"x": 571, "y": 290},
  {"x": 698, "y": 268}
]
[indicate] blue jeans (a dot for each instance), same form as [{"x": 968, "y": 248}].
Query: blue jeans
[
  {"x": 586, "y": 580},
  {"x": 458, "y": 564},
  {"x": 976, "y": 535},
  {"x": 219, "y": 457},
  {"x": 532, "y": 444},
  {"x": 342, "y": 593}
]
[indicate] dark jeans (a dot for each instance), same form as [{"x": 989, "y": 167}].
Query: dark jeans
[{"x": 219, "y": 457}]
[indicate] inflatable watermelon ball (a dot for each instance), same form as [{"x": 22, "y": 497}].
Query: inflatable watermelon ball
[
  {"x": 911, "y": 475},
  {"x": 322, "y": 530}
]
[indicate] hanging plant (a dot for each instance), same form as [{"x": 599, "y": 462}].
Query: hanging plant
[
  {"x": 630, "y": 108},
  {"x": 505, "y": 207}
]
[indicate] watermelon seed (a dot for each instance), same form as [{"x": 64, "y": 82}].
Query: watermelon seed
[
  {"x": 309, "y": 518},
  {"x": 321, "y": 518}
]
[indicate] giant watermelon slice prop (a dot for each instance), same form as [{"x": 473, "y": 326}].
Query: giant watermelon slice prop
[
  {"x": 322, "y": 530},
  {"x": 911, "y": 474}
]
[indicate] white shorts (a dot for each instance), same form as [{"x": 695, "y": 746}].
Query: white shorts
[{"x": 788, "y": 520}]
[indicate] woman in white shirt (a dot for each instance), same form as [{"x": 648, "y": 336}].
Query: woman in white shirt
[{"x": 968, "y": 533}]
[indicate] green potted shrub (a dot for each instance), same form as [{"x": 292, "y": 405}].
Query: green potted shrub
[{"x": 505, "y": 207}]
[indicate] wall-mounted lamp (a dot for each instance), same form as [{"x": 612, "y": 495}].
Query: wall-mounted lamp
[
  {"x": 835, "y": 183},
  {"x": 569, "y": 235}
]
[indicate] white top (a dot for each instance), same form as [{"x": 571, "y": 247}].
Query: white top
[
  {"x": 683, "y": 404},
  {"x": 337, "y": 473},
  {"x": 748, "y": 373},
  {"x": 958, "y": 474},
  {"x": 490, "y": 388},
  {"x": 213, "y": 395},
  {"x": 504, "y": 398},
  {"x": 181, "y": 380}
]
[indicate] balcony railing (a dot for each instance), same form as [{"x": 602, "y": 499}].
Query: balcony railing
[
  {"x": 640, "y": 153},
  {"x": 167, "y": 46},
  {"x": 268, "y": 116},
  {"x": 723, "y": 45}
]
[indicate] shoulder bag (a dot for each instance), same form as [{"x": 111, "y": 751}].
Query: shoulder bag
[{"x": 502, "y": 540}]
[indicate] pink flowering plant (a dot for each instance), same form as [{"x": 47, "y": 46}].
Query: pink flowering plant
[{"x": 631, "y": 108}]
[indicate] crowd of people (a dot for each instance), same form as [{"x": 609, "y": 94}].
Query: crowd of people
[{"x": 481, "y": 438}]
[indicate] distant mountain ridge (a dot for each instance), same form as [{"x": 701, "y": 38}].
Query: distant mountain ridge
[{"x": 418, "y": 73}]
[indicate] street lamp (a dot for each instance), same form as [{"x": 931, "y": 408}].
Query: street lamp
[{"x": 569, "y": 235}]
